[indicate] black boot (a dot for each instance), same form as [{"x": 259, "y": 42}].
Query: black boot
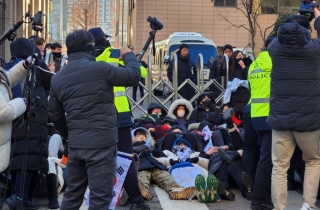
[
  {"x": 229, "y": 156},
  {"x": 227, "y": 116},
  {"x": 140, "y": 206},
  {"x": 247, "y": 185},
  {"x": 52, "y": 186},
  {"x": 225, "y": 193}
]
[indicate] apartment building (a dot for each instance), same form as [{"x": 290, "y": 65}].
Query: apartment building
[
  {"x": 11, "y": 11},
  {"x": 214, "y": 19}
]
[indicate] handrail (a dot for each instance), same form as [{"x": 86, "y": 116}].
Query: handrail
[
  {"x": 200, "y": 78},
  {"x": 149, "y": 76},
  {"x": 175, "y": 76}
]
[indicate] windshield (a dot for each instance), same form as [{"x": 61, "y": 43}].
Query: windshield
[{"x": 208, "y": 52}]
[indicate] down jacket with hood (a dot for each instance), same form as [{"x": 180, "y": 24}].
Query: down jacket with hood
[
  {"x": 295, "y": 76},
  {"x": 172, "y": 112},
  {"x": 199, "y": 114},
  {"x": 147, "y": 161},
  {"x": 10, "y": 109},
  {"x": 38, "y": 147}
]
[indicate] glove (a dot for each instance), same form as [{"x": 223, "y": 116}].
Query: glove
[
  {"x": 138, "y": 149},
  {"x": 31, "y": 60},
  {"x": 147, "y": 149},
  {"x": 25, "y": 101}
]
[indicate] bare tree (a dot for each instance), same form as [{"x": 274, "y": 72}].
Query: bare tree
[
  {"x": 252, "y": 9},
  {"x": 84, "y": 14}
]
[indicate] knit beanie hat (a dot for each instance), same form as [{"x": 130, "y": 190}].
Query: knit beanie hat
[{"x": 228, "y": 46}]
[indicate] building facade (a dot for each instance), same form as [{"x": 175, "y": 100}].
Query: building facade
[
  {"x": 219, "y": 20},
  {"x": 11, "y": 12}
]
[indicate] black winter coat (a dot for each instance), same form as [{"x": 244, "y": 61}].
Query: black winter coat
[
  {"x": 38, "y": 145},
  {"x": 81, "y": 103},
  {"x": 186, "y": 70},
  {"x": 295, "y": 76},
  {"x": 213, "y": 116}
]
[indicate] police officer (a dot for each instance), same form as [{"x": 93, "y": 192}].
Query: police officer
[
  {"x": 259, "y": 79},
  {"x": 103, "y": 51}
]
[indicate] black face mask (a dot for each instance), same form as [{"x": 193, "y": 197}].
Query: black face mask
[
  {"x": 207, "y": 103},
  {"x": 238, "y": 59},
  {"x": 56, "y": 54}
]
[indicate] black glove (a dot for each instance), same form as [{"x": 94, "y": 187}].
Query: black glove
[
  {"x": 148, "y": 149},
  {"x": 31, "y": 60},
  {"x": 138, "y": 149}
]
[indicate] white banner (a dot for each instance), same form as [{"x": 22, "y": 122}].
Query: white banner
[{"x": 123, "y": 165}]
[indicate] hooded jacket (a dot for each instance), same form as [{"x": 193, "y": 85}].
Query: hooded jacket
[
  {"x": 186, "y": 70},
  {"x": 38, "y": 148},
  {"x": 9, "y": 109},
  {"x": 295, "y": 76},
  {"x": 146, "y": 159}
]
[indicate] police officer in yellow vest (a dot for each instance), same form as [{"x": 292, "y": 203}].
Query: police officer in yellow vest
[
  {"x": 259, "y": 80},
  {"x": 103, "y": 51}
]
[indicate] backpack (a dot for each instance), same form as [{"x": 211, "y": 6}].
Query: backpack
[{"x": 16, "y": 90}]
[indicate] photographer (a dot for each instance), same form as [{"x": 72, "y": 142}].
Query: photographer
[
  {"x": 295, "y": 85},
  {"x": 82, "y": 95}
]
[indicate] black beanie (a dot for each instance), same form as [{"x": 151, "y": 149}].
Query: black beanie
[
  {"x": 183, "y": 46},
  {"x": 99, "y": 37},
  {"x": 228, "y": 46}
]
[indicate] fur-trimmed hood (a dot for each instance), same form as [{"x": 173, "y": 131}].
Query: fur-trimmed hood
[
  {"x": 172, "y": 112},
  {"x": 140, "y": 128}
]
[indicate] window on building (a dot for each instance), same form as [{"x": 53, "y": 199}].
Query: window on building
[
  {"x": 269, "y": 7},
  {"x": 225, "y": 3}
]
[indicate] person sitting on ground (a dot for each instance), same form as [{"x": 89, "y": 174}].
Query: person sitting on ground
[
  {"x": 180, "y": 110},
  {"x": 152, "y": 170}
]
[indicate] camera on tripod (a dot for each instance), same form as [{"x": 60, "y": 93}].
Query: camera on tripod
[
  {"x": 37, "y": 21},
  {"x": 306, "y": 8},
  {"x": 155, "y": 24}
]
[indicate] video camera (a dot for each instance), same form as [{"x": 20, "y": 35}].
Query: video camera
[
  {"x": 306, "y": 8},
  {"x": 155, "y": 24}
]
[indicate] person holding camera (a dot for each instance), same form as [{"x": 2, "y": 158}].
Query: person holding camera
[
  {"x": 295, "y": 85},
  {"x": 81, "y": 107}
]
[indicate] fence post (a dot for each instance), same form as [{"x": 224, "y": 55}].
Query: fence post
[
  {"x": 150, "y": 78},
  {"x": 200, "y": 70},
  {"x": 175, "y": 76},
  {"x": 226, "y": 57}
]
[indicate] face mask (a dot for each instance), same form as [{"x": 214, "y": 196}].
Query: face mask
[
  {"x": 181, "y": 113},
  {"x": 207, "y": 103},
  {"x": 56, "y": 54},
  {"x": 239, "y": 59}
]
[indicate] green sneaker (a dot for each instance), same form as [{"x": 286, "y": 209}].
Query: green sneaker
[
  {"x": 200, "y": 184},
  {"x": 212, "y": 186}
]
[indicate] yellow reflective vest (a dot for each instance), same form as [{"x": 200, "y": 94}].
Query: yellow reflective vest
[
  {"x": 259, "y": 79},
  {"x": 120, "y": 97}
]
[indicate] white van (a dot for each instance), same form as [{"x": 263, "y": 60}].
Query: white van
[{"x": 165, "y": 50}]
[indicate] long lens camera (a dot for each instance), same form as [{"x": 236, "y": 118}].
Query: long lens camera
[{"x": 155, "y": 24}]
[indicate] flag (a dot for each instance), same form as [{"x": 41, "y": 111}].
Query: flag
[
  {"x": 148, "y": 143},
  {"x": 184, "y": 155},
  {"x": 206, "y": 133},
  {"x": 209, "y": 145}
]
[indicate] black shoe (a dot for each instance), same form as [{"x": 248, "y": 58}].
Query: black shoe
[
  {"x": 15, "y": 203},
  {"x": 224, "y": 193},
  {"x": 30, "y": 205},
  {"x": 256, "y": 205},
  {"x": 247, "y": 185},
  {"x": 142, "y": 205},
  {"x": 54, "y": 205},
  {"x": 193, "y": 160},
  {"x": 227, "y": 116},
  {"x": 229, "y": 156}
]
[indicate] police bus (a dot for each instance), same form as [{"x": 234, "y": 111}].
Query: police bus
[{"x": 167, "y": 48}]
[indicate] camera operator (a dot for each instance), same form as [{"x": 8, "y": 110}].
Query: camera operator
[
  {"x": 37, "y": 152},
  {"x": 82, "y": 96},
  {"x": 295, "y": 106}
]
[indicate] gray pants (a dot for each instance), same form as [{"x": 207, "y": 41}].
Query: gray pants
[{"x": 95, "y": 168}]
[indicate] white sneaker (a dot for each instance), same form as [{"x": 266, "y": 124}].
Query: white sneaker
[{"x": 306, "y": 207}]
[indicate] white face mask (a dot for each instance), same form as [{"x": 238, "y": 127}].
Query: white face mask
[{"x": 181, "y": 113}]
